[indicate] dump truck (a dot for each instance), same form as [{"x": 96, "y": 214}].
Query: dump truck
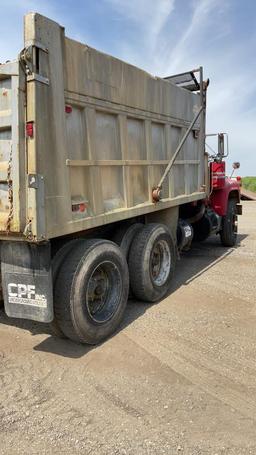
[{"x": 105, "y": 178}]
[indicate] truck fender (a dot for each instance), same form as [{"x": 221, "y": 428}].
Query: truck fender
[{"x": 219, "y": 198}]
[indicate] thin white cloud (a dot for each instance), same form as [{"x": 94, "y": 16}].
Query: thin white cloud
[
  {"x": 148, "y": 14},
  {"x": 197, "y": 26}
]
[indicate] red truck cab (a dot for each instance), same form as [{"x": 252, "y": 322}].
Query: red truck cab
[
  {"x": 224, "y": 198},
  {"x": 223, "y": 188},
  {"x": 218, "y": 213}
]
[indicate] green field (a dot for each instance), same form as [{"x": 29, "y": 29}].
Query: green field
[{"x": 249, "y": 183}]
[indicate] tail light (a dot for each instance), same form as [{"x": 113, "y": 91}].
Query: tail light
[{"x": 30, "y": 129}]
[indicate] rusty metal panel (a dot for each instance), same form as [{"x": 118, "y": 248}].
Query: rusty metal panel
[{"x": 12, "y": 172}]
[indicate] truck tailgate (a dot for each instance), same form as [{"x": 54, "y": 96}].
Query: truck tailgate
[{"x": 11, "y": 146}]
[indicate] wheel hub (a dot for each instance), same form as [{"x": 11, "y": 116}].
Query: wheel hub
[
  {"x": 160, "y": 263},
  {"x": 103, "y": 291}
]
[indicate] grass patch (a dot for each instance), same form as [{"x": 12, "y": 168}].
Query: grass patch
[{"x": 249, "y": 183}]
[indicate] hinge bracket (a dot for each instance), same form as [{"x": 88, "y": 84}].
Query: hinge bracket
[{"x": 29, "y": 57}]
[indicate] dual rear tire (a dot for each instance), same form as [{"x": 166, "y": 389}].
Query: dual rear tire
[
  {"x": 91, "y": 280},
  {"x": 91, "y": 291},
  {"x": 152, "y": 260}
]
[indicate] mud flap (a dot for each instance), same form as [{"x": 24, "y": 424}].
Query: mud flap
[{"x": 27, "y": 280}]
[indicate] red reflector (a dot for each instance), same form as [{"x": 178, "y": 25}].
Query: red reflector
[
  {"x": 82, "y": 207},
  {"x": 30, "y": 129},
  {"x": 68, "y": 109}
]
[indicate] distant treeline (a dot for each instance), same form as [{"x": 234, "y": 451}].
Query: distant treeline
[{"x": 249, "y": 183}]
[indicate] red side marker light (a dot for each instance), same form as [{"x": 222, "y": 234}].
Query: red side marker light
[
  {"x": 30, "y": 129},
  {"x": 68, "y": 109}
]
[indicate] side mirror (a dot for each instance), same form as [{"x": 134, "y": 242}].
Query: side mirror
[{"x": 235, "y": 165}]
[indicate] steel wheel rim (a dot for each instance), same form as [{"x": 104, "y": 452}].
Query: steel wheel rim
[
  {"x": 160, "y": 263},
  {"x": 103, "y": 292}
]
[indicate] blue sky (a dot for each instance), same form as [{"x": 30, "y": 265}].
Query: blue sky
[{"x": 165, "y": 37}]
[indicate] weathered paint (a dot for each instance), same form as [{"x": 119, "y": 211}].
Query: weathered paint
[
  {"x": 108, "y": 150},
  {"x": 12, "y": 148}
]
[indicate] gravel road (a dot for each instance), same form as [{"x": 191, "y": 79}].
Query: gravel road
[{"x": 178, "y": 378}]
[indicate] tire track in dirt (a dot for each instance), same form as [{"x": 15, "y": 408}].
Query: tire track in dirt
[
  {"x": 28, "y": 405},
  {"x": 197, "y": 370}
]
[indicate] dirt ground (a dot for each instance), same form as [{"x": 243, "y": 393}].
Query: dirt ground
[{"x": 178, "y": 378}]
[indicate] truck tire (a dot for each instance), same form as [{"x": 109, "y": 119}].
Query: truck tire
[
  {"x": 228, "y": 233},
  {"x": 91, "y": 291},
  {"x": 62, "y": 255},
  {"x": 202, "y": 229},
  {"x": 152, "y": 261},
  {"x": 124, "y": 236},
  {"x": 58, "y": 259}
]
